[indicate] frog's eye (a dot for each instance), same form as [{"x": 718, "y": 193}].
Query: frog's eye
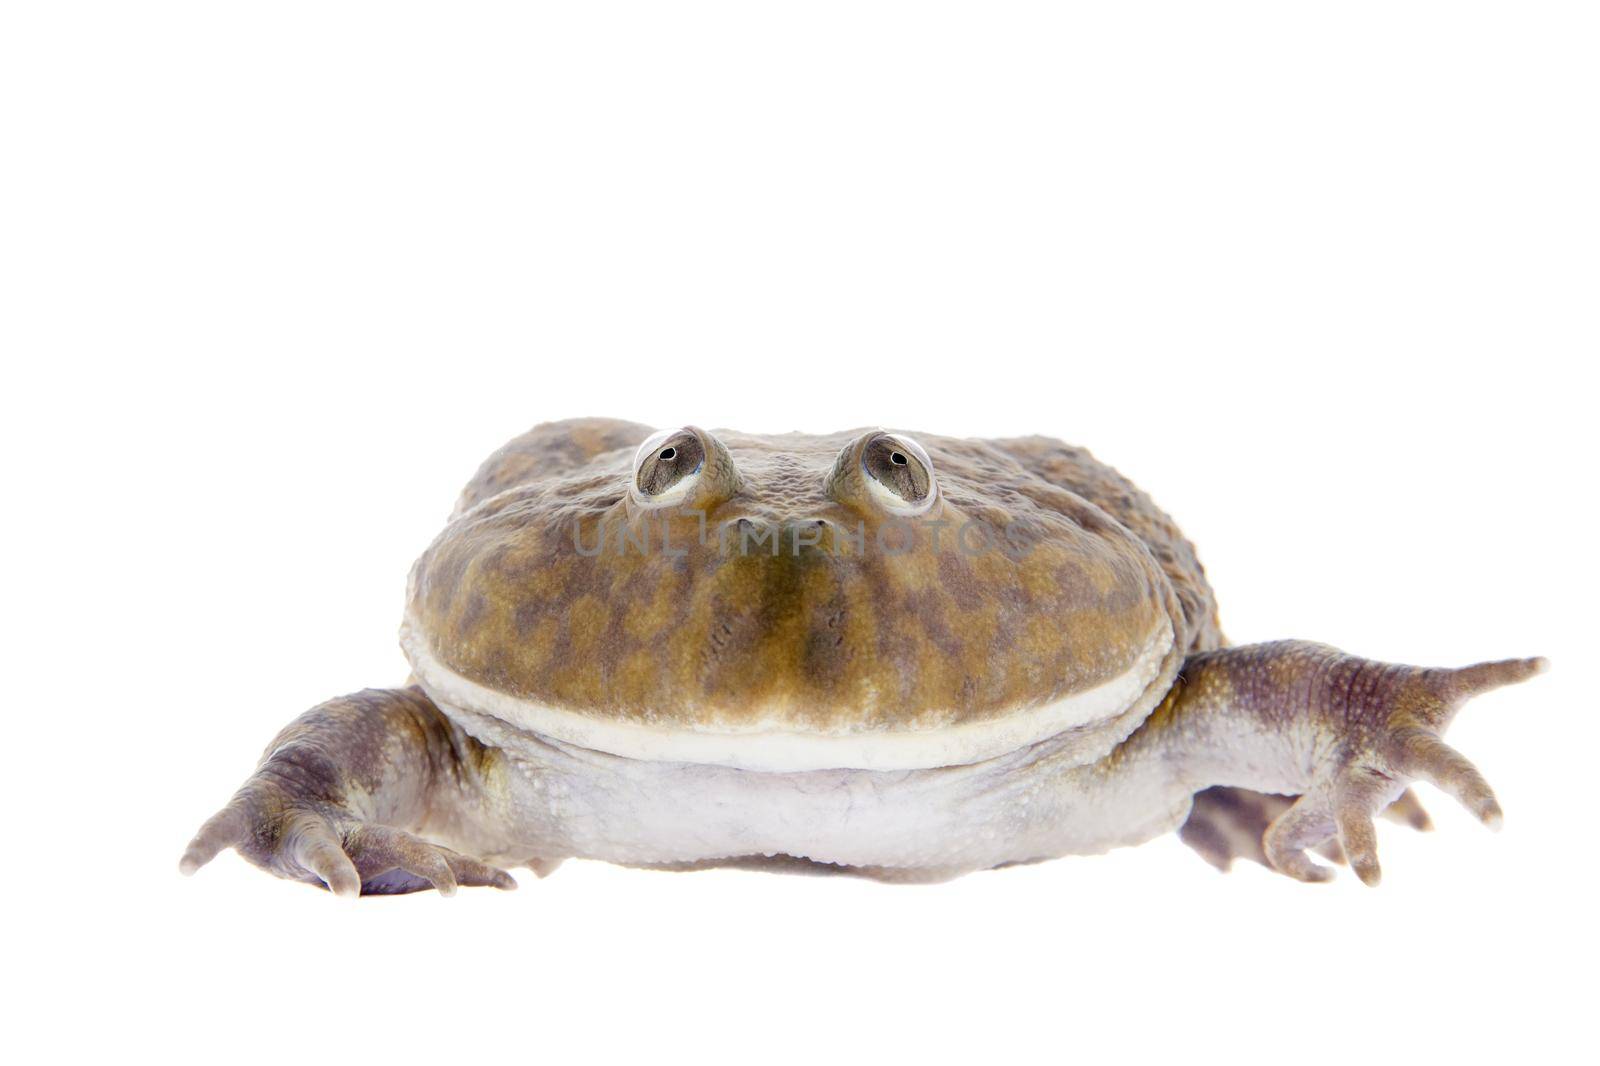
[
  {"x": 666, "y": 467},
  {"x": 899, "y": 474}
]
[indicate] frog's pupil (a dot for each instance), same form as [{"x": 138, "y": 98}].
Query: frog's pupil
[
  {"x": 897, "y": 459},
  {"x": 668, "y": 454}
]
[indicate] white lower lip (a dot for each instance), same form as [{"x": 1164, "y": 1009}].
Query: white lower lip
[{"x": 774, "y": 746}]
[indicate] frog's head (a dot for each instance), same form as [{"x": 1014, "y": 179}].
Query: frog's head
[{"x": 871, "y": 599}]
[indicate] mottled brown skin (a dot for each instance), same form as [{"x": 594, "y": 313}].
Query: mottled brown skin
[
  {"x": 834, "y": 637},
  {"x": 357, "y": 793}
]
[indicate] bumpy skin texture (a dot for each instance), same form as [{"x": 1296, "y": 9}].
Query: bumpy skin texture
[
  {"x": 1269, "y": 751},
  {"x": 1080, "y": 473},
  {"x": 1342, "y": 736}
]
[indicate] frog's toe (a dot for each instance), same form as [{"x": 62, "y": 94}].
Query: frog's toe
[
  {"x": 1226, "y": 824},
  {"x": 222, "y": 830},
  {"x": 1338, "y": 823},
  {"x": 1408, "y": 810},
  {"x": 1306, "y": 824},
  {"x": 1423, "y": 755},
  {"x": 310, "y": 842},
  {"x": 392, "y": 861}
]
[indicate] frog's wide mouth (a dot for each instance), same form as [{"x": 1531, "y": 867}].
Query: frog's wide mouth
[{"x": 1103, "y": 714}]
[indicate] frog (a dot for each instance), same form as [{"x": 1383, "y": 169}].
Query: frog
[{"x": 879, "y": 652}]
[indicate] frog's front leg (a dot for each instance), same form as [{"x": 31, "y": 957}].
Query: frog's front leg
[
  {"x": 354, "y": 794},
  {"x": 1344, "y": 734}
]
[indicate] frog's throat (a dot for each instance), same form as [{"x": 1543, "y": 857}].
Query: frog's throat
[{"x": 775, "y": 745}]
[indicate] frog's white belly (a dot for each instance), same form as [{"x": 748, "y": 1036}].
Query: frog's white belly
[{"x": 565, "y": 801}]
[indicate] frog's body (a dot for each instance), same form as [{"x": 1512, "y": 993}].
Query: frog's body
[
  {"x": 910, "y": 656},
  {"x": 1030, "y": 804}
]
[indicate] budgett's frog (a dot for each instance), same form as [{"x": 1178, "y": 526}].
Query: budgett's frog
[{"x": 906, "y": 655}]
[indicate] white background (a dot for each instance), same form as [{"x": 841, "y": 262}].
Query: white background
[{"x": 276, "y": 277}]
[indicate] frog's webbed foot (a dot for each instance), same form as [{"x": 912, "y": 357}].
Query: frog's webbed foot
[
  {"x": 1227, "y": 823},
  {"x": 326, "y": 847},
  {"x": 1386, "y": 724}
]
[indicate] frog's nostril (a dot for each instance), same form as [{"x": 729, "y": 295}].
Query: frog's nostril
[
  {"x": 807, "y": 536},
  {"x": 739, "y": 531},
  {"x": 777, "y": 537}
]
